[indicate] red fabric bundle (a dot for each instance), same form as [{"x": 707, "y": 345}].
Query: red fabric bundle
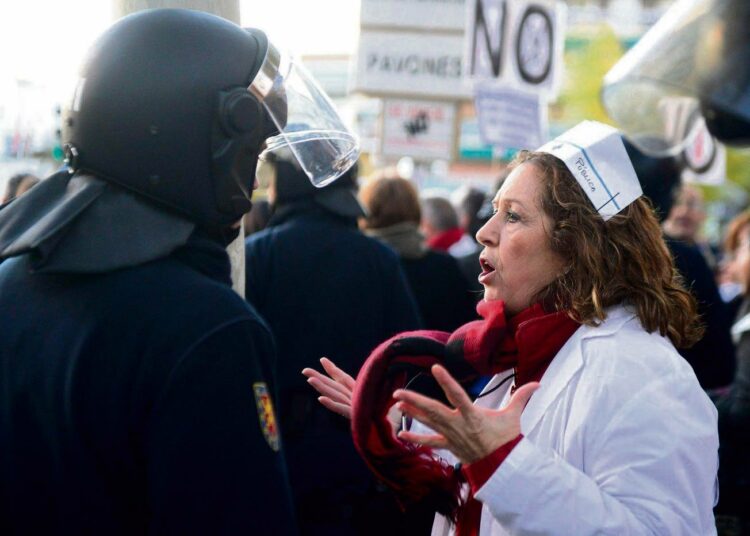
[
  {"x": 489, "y": 345},
  {"x": 410, "y": 470}
]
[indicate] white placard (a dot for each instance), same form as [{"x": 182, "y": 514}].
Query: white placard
[
  {"x": 516, "y": 43},
  {"x": 418, "y": 64},
  {"x": 417, "y": 14},
  {"x": 509, "y": 118},
  {"x": 423, "y": 130},
  {"x": 705, "y": 159}
]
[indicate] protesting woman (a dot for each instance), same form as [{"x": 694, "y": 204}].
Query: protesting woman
[{"x": 593, "y": 423}]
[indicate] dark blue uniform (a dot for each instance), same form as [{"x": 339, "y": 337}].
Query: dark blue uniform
[
  {"x": 327, "y": 290},
  {"x": 441, "y": 291},
  {"x": 137, "y": 402}
]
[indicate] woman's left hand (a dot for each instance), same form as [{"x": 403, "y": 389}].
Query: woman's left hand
[{"x": 468, "y": 431}]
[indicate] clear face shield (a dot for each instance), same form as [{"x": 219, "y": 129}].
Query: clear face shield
[
  {"x": 695, "y": 55},
  {"x": 307, "y": 121}
]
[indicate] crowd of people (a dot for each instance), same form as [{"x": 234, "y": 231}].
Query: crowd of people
[{"x": 560, "y": 354}]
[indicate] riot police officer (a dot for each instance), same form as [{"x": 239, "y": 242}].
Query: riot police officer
[{"x": 135, "y": 386}]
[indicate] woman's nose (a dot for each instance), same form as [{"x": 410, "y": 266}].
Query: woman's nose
[{"x": 487, "y": 234}]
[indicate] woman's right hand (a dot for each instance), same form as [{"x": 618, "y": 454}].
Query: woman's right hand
[{"x": 336, "y": 388}]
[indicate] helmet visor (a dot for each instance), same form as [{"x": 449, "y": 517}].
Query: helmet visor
[
  {"x": 305, "y": 118},
  {"x": 694, "y": 56}
]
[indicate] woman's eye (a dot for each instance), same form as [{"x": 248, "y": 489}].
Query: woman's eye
[{"x": 511, "y": 217}]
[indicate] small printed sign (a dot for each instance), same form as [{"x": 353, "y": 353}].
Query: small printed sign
[
  {"x": 423, "y": 130},
  {"x": 511, "y": 119}
]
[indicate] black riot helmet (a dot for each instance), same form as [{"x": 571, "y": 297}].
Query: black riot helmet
[
  {"x": 692, "y": 67},
  {"x": 176, "y": 105},
  {"x": 162, "y": 108},
  {"x": 162, "y": 135}
]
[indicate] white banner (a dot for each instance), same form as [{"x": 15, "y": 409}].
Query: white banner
[
  {"x": 418, "y": 64},
  {"x": 415, "y": 14},
  {"x": 516, "y": 43},
  {"x": 423, "y": 130}
]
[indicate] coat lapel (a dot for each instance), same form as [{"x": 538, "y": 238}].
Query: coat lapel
[
  {"x": 559, "y": 372},
  {"x": 565, "y": 365}
]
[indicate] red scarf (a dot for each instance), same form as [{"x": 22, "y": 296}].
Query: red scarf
[
  {"x": 444, "y": 239},
  {"x": 487, "y": 346}
]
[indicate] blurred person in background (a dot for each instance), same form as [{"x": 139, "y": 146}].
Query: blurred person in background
[
  {"x": 439, "y": 223},
  {"x": 468, "y": 202},
  {"x": 712, "y": 357},
  {"x": 686, "y": 218},
  {"x": 687, "y": 214},
  {"x": 325, "y": 289},
  {"x": 393, "y": 216},
  {"x": 732, "y": 282},
  {"x": 734, "y": 405},
  {"x": 257, "y": 219},
  {"x": 17, "y": 185}
]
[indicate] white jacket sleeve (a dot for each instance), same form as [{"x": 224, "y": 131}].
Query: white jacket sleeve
[{"x": 648, "y": 467}]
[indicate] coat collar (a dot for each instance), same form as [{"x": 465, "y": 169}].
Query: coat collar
[
  {"x": 567, "y": 362},
  {"x": 560, "y": 371}
]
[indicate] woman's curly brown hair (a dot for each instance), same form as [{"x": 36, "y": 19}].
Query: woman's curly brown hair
[{"x": 622, "y": 260}]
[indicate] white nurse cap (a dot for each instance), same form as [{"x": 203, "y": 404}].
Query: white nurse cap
[{"x": 595, "y": 155}]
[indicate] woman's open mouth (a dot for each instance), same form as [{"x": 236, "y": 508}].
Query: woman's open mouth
[{"x": 487, "y": 270}]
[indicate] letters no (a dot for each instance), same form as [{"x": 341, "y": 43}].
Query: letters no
[{"x": 533, "y": 43}]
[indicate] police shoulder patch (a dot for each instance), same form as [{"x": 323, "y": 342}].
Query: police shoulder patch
[{"x": 266, "y": 415}]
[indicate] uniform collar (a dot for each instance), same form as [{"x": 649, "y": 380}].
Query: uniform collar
[
  {"x": 82, "y": 224},
  {"x": 307, "y": 208}
]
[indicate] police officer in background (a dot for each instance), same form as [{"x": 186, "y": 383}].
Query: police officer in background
[
  {"x": 326, "y": 289},
  {"x": 693, "y": 68},
  {"x": 135, "y": 385}
]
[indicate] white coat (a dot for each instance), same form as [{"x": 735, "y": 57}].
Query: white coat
[{"x": 619, "y": 439}]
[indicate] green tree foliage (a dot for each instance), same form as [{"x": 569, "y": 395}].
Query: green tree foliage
[
  {"x": 589, "y": 53},
  {"x": 738, "y": 166}
]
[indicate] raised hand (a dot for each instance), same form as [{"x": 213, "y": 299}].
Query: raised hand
[
  {"x": 470, "y": 432},
  {"x": 336, "y": 388}
]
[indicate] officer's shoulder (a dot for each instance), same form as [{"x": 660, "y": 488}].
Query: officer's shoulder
[{"x": 181, "y": 291}]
